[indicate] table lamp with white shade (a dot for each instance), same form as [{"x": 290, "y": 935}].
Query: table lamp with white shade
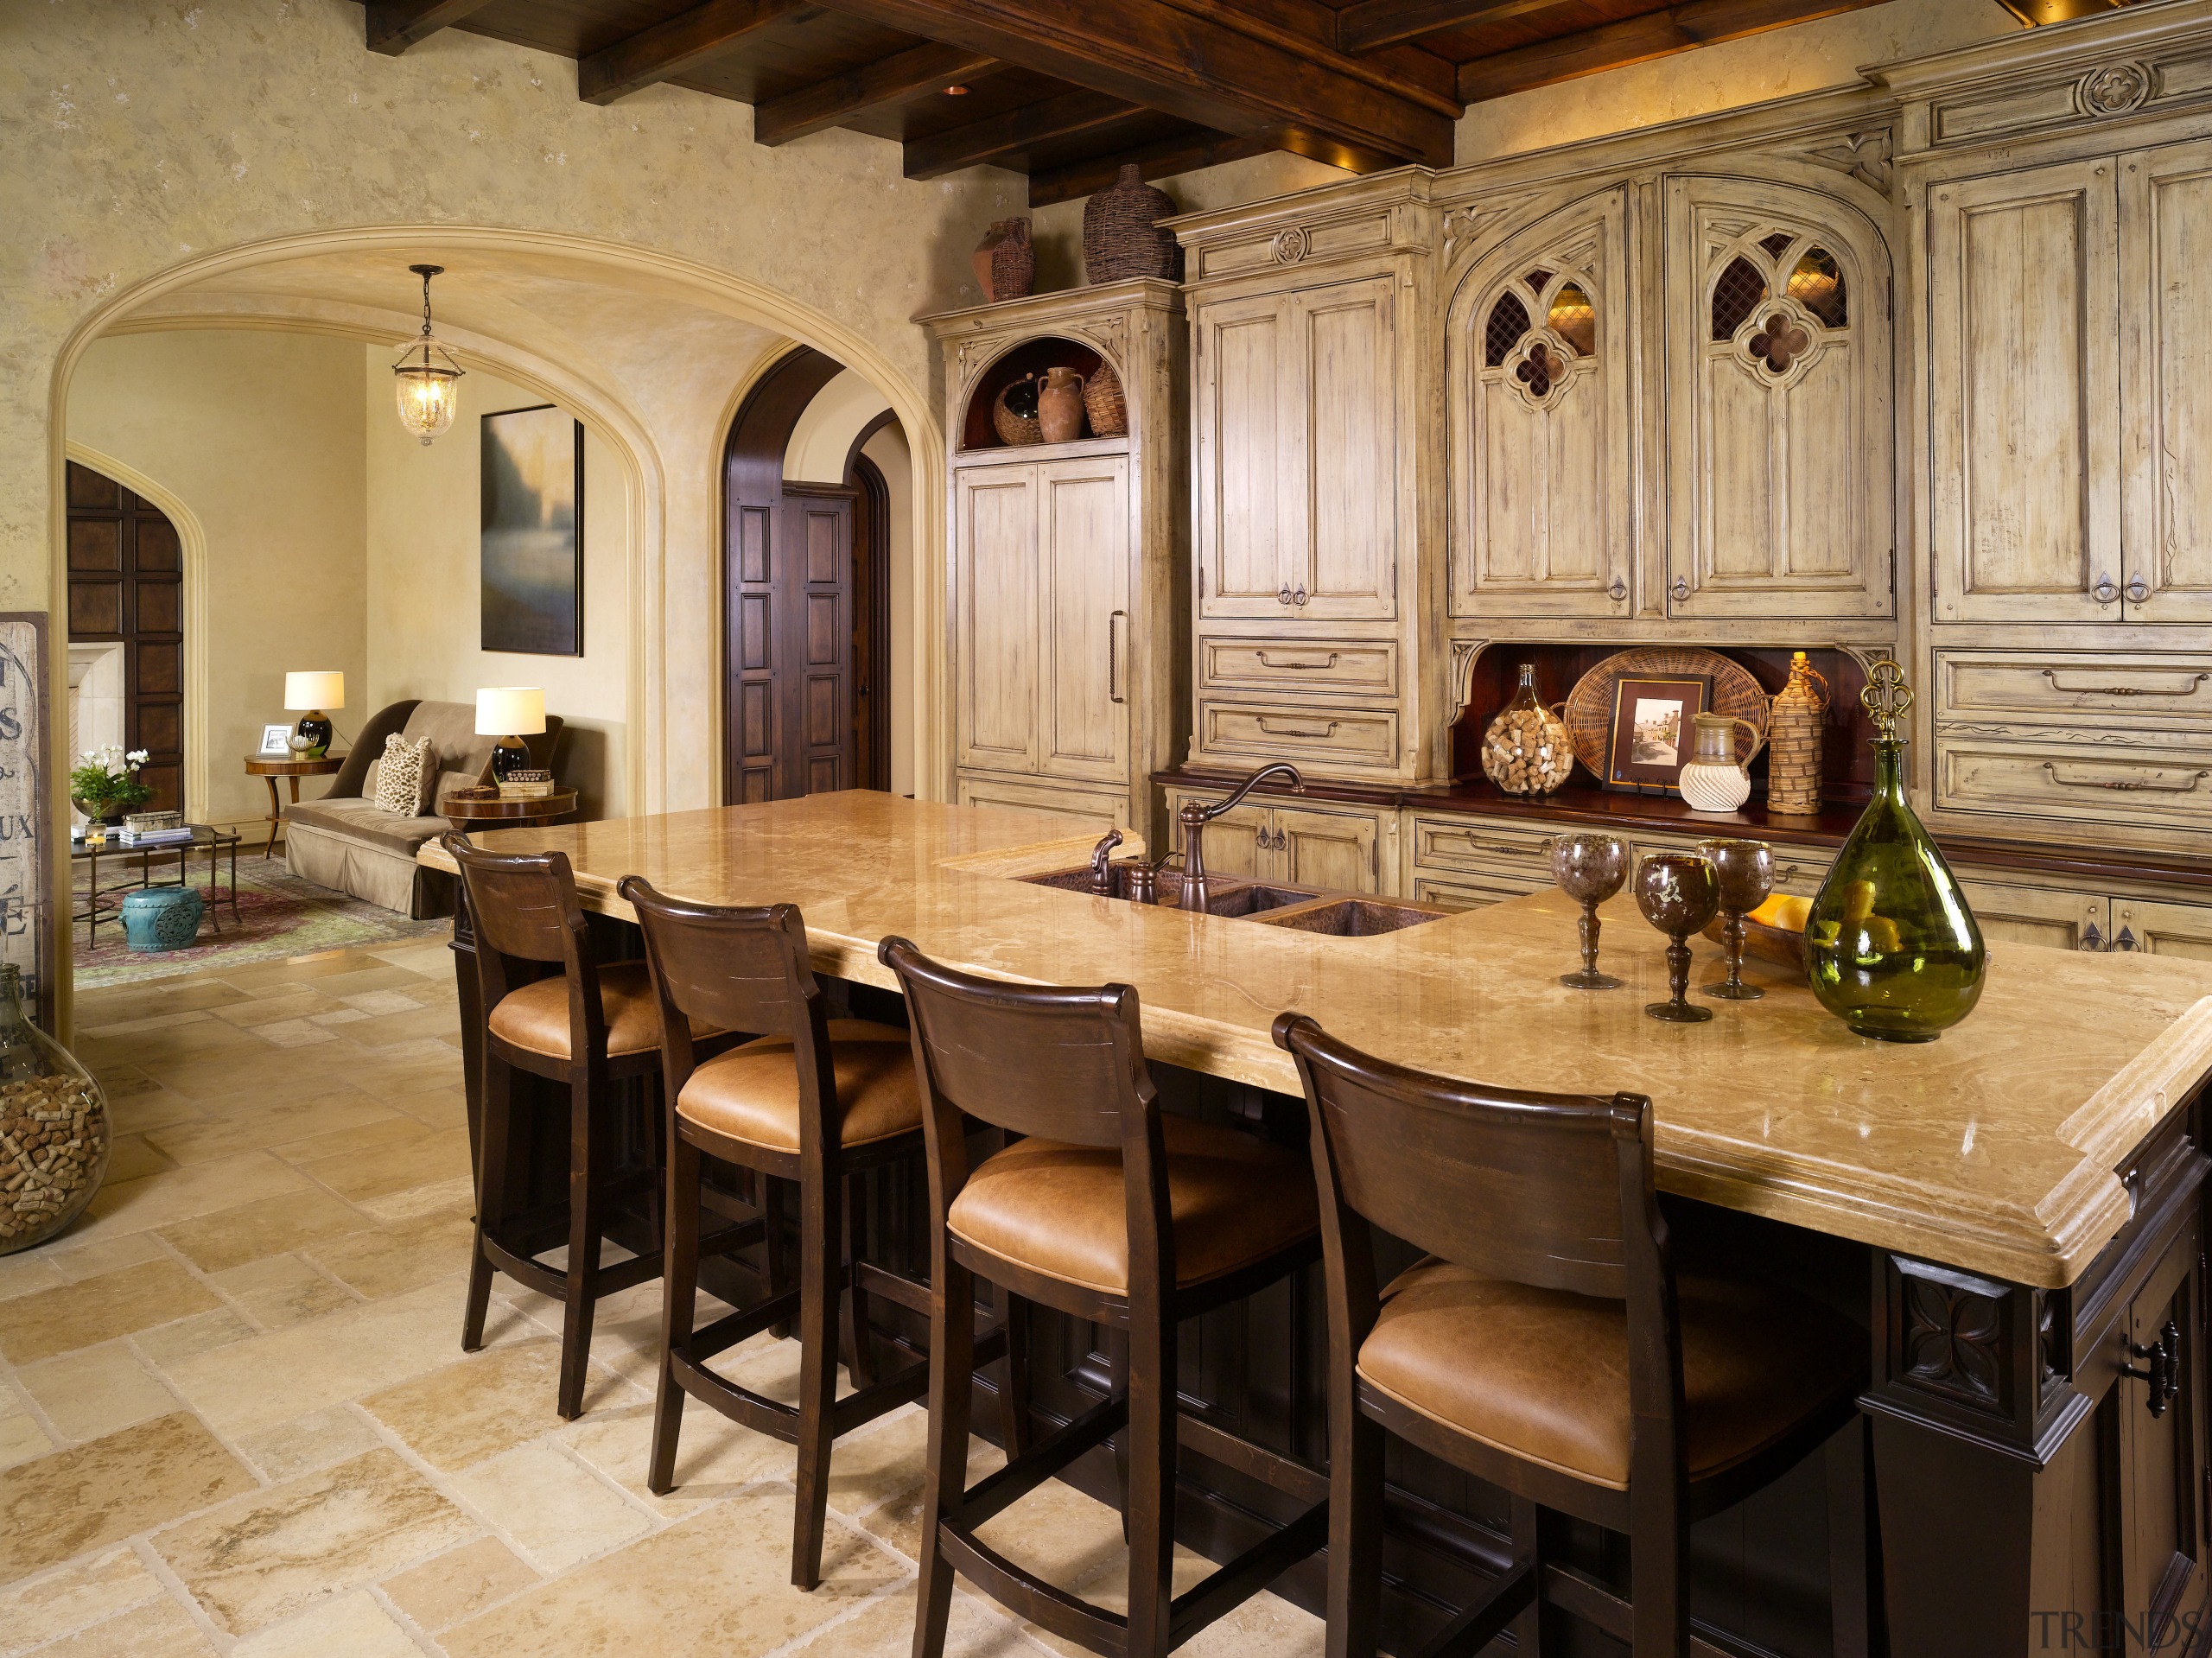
[
  {"x": 314, "y": 691},
  {"x": 510, "y": 713}
]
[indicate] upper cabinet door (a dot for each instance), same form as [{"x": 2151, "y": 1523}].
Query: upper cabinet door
[
  {"x": 1344, "y": 539},
  {"x": 1249, "y": 489},
  {"x": 996, "y": 633},
  {"x": 2165, "y": 368},
  {"x": 2024, "y": 398},
  {"x": 1778, "y": 403},
  {"x": 1084, "y": 547},
  {"x": 1541, "y": 402}
]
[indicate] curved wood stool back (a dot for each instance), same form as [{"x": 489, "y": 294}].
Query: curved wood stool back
[
  {"x": 1066, "y": 1065},
  {"x": 746, "y": 971},
  {"x": 529, "y": 928},
  {"x": 1554, "y": 1192}
]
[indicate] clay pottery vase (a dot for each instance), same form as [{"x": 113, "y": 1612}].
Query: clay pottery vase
[{"x": 1059, "y": 406}]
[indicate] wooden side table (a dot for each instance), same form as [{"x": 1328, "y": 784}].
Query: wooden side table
[
  {"x": 466, "y": 808},
  {"x": 270, "y": 769}
]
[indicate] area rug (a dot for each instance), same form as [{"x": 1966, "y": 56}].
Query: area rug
[{"x": 279, "y": 916}]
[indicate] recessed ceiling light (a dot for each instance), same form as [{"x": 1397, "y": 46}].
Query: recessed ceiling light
[{"x": 956, "y": 91}]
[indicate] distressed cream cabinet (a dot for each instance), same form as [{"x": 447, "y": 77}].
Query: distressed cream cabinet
[
  {"x": 1314, "y": 478},
  {"x": 1341, "y": 849},
  {"x": 1067, "y": 566}
]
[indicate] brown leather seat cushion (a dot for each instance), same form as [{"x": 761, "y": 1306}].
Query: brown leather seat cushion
[
  {"x": 1060, "y": 1209},
  {"x": 1543, "y": 1374},
  {"x": 537, "y": 1016},
  {"x": 751, "y": 1093}
]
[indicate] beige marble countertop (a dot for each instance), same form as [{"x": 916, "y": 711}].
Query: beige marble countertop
[{"x": 1992, "y": 1149}]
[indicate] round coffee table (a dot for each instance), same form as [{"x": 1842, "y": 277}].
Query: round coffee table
[
  {"x": 269, "y": 768},
  {"x": 466, "y": 808}
]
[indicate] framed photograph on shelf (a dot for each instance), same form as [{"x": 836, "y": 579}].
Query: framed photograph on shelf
[
  {"x": 274, "y": 742},
  {"x": 1652, "y": 722},
  {"x": 532, "y": 549}
]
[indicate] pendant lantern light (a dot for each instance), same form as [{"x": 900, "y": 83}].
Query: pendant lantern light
[{"x": 430, "y": 392}]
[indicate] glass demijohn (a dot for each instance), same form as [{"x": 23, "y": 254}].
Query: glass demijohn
[
  {"x": 53, "y": 1128},
  {"x": 1892, "y": 949}
]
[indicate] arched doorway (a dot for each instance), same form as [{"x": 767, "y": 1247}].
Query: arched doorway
[{"x": 126, "y": 629}]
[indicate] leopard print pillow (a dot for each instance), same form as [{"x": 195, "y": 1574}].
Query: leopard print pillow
[{"x": 408, "y": 771}]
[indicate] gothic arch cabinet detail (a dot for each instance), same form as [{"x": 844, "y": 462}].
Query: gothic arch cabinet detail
[{"x": 1778, "y": 409}]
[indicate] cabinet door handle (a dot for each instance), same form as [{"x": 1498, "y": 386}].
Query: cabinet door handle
[
  {"x": 2105, "y": 591},
  {"x": 1298, "y": 597},
  {"x": 1503, "y": 848},
  {"x": 1281, "y": 842},
  {"x": 1283, "y": 598},
  {"x": 2092, "y": 940},
  {"x": 2195, "y": 684},
  {"x": 2162, "y": 1371},
  {"x": 1681, "y": 589},
  {"x": 2137, "y": 590},
  {"x": 2125, "y": 938},
  {"x": 1788, "y": 872},
  {"x": 1266, "y": 661},
  {"x": 1329, "y": 730},
  {"x": 2163, "y": 782},
  {"x": 1114, "y": 657},
  {"x": 1618, "y": 591}
]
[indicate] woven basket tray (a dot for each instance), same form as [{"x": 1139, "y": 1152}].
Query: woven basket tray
[
  {"x": 1103, "y": 402},
  {"x": 1589, "y": 705},
  {"x": 1013, "y": 429}
]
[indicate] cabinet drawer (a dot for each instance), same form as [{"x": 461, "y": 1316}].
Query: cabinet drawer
[
  {"x": 2160, "y": 929},
  {"x": 1359, "y": 667},
  {"x": 2133, "y": 687},
  {"x": 2073, "y": 780},
  {"x": 1463, "y": 843},
  {"x": 1471, "y": 892},
  {"x": 1107, "y": 808},
  {"x": 1361, "y": 737},
  {"x": 2055, "y": 917}
]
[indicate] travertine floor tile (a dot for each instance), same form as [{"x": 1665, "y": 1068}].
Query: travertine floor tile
[
  {"x": 293, "y": 1001},
  {"x": 33, "y": 1270},
  {"x": 283, "y": 1291},
  {"x": 133, "y": 1108},
  {"x": 58, "y": 1603},
  {"x": 62, "y": 1505},
  {"x": 412, "y": 1202},
  {"x": 116, "y": 1004},
  {"x": 899, "y": 1522},
  {"x": 76, "y": 1262},
  {"x": 457, "y": 1585},
  {"x": 262, "y": 1557},
  {"x": 430, "y": 1156},
  {"x": 315, "y": 1440},
  {"x": 21, "y": 1437},
  {"x": 202, "y": 1333},
  {"x": 183, "y": 1194},
  {"x": 295, "y": 1033},
  {"x": 886, "y": 1629},
  {"x": 382, "y": 1031},
  {"x": 715, "y": 1458},
  {"x": 277, "y": 1125},
  {"x": 231, "y": 1238},
  {"x": 718, "y": 1582},
  {"x": 49, "y": 1322},
  {"x": 95, "y": 1391},
  {"x": 161, "y": 1629},
  {"x": 490, "y": 1402},
  {"x": 392, "y": 1259},
  {"x": 439, "y": 1108},
  {"x": 131, "y": 1157},
  {"x": 353, "y": 1626},
  {"x": 552, "y": 1508}
]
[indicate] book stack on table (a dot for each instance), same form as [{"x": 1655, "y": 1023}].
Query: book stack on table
[{"x": 155, "y": 829}]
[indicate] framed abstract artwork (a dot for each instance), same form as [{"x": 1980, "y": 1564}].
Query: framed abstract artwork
[{"x": 533, "y": 532}]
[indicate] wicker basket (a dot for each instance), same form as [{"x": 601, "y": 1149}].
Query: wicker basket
[
  {"x": 1589, "y": 705},
  {"x": 1015, "y": 429},
  {"x": 1121, "y": 237},
  {"x": 1006, "y": 262},
  {"x": 1793, "y": 766},
  {"x": 1103, "y": 402}
]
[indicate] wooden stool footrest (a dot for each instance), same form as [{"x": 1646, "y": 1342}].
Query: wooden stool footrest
[
  {"x": 1485, "y": 1621},
  {"x": 742, "y": 1236},
  {"x": 1001, "y": 1490},
  {"x": 741, "y": 1405},
  {"x": 909, "y": 1292},
  {"x": 628, "y": 1274},
  {"x": 727, "y": 1332},
  {"x": 864, "y": 1405},
  {"x": 530, "y": 1274},
  {"x": 1293, "y": 1479},
  {"x": 1233, "y": 1584},
  {"x": 1585, "y": 1598},
  {"x": 1049, "y": 1607}
]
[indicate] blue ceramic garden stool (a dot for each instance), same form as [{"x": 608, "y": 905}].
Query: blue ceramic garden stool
[{"x": 161, "y": 918}]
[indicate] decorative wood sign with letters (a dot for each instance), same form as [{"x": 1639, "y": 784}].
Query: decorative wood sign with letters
[{"x": 26, "y": 937}]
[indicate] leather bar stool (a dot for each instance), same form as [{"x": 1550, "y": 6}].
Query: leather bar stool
[
  {"x": 1545, "y": 1344},
  {"x": 552, "y": 1010},
  {"x": 1110, "y": 1211},
  {"x": 811, "y": 1101}
]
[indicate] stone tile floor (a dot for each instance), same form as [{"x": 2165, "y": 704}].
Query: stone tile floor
[{"x": 235, "y": 1416}]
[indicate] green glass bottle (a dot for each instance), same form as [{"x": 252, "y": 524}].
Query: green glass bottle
[{"x": 1892, "y": 949}]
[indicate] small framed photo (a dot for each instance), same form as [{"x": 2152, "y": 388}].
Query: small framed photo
[
  {"x": 1652, "y": 724},
  {"x": 274, "y": 742}
]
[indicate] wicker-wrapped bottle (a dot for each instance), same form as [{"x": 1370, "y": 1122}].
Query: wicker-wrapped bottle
[
  {"x": 53, "y": 1128},
  {"x": 1793, "y": 741}
]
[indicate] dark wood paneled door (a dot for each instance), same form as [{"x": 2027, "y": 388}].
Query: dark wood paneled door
[
  {"x": 815, "y": 688},
  {"x": 126, "y": 584}
]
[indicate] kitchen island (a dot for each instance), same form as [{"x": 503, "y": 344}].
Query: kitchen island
[{"x": 2014, "y": 1210}]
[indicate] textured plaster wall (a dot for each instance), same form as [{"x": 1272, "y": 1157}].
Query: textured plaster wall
[
  {"x": 425, "y": 609},
  {"x": 260, "y": 435}
]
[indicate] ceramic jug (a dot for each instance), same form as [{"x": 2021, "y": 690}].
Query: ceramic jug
[
  {"x": 1059, "y": 406},
  {"x": 1713, "y": 780}
]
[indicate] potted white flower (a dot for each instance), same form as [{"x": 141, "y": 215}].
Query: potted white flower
[{"x": 105, "y": 785}]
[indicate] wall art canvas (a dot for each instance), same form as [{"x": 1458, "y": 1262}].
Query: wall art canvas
[
  {"x": 28, "y": 925},
  {"x": 533, "y": 548}
]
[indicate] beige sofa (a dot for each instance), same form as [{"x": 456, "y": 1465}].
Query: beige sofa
[{"x": 345, "y": 841}]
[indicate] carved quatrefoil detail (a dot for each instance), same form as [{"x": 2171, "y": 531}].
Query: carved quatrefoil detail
[
  {"x": 1292, "y": 245},
  {"x": 2115, "y": 89},
  {"x": 1780, "y": 343},
  {"x": 1538, "y": 370}
]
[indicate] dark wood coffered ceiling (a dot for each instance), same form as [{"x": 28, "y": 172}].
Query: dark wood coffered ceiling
[{"x": 1067, "y": 91}]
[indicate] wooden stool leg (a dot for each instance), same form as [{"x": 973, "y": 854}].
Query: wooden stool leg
[
  {"x": 1014, "y": 1397},
  {"x": 678, "y": 1306},
  {"x": 776, "y": 1246},
  {"x": 1149, "y": 1513},
  {"x": 1527, "y": 1548},
  {"x": 821, "y": 1232},
  {"x": 1659, "y": 1569},
  {"x": 860, "y": 1356},
  {"x": 1356, "y": 1530},
  {"x": 494, "y": 1193},
  {"x": 952, "y": 1385},
  {"x": 1117, "y": 1370},
  {"x": 585, "y": 1183}
]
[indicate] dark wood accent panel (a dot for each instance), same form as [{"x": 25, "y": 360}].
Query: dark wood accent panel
[
  {"x": 675, "y": 47},
  {"x": 126, "y": 584},
  {"x": 392, "y": 27},
  {"x": 1199, "y": 147},
  {"x": 1008, "y": 139},
  {"x": 1657, "y": 34},
  {"x": 1372, "y": 24},
  {"x": 818, "y": 691},
  {"x": 913, "y": 73},
  {"x": 872, "y": 689}
]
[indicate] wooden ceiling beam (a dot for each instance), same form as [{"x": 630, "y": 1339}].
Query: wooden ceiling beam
[
  {"x": 1012, "y": 133},
  {"x": 1158, "y": 54},
  {"x": 1309, "y": 29},
  {"x": 678, "y": 45},
  {"x": 1157, "y": 161},
  {"x": 395, "y": 25},
  {"x": 1370, "y": 25},
  {"x": 1636, "y": 39},
  {"x": 830, "y": 103}
]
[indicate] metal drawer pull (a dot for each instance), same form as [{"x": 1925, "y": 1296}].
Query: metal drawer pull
[
  {"x": 1788, "y": 872},
  {"x": 2195, "y": 684},
  {"x": 1261, "y": 840},
  {"x": 2163, "y": 1372},
  {"x": 1318, "y": 667},
  {"x": 1618, "y": 591},
  {"x": 2105, "y": 591},
  {"x": 1329, "y": 730},
  {"x": 1114, "y": 658},
  {"x": 2137, "y": 590},
  {"x": 2158, "y": 784},
  {"x": 1681, "y": 589},
  {"x": 1502, "y": 848},
  {"x": 2092, "y": 940},
  {"x": 1298, "y": 597},
  {"x": 1283, "y": 598},
  {"x": 2124, "y": 939}
]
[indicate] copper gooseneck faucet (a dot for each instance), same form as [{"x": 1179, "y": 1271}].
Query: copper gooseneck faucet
[{"x": 1194, "y": 816}]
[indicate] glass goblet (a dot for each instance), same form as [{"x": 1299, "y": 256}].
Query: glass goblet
[
  {"x": 1678, "y": 893},
  {"x": 1745, "y": 872},
  {"x": 1589, "y": 868}
]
